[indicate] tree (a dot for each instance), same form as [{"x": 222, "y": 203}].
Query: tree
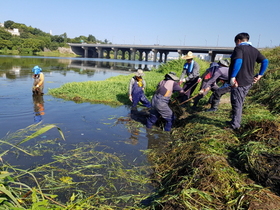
[
  {"x": 64, "y": 36},
  {"x": 5, "y": 44},
  {"x": 57, "y": 38},
  {"x": 35, "y": 45},
  {"x": 8, "y": 23},
  {"x": 5, "y": 34},
  {"x": 91, "y": 38},
  {"x": 25, "y": 35}
]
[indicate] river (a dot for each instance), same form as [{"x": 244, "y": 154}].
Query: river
[
  {"x": 81, "y": 123},
  {"x": 78, "y": 121}
]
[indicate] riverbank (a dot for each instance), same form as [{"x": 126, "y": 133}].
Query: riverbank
[
  {"x": 206, "y": 166},
  {"x": 60, "y": 52}
]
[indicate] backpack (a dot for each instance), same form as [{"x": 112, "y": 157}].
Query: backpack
[{"x": 213, "y": 67}]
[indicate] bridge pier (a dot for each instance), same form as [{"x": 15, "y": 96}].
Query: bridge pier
[
  {"x": 123, "y": 54},
  {"x": 100, "y": 52},
  {"x": 147, "y": 55},
  {"x": 133, "y": 54},
  {"x": 115, "y": 53},
  {"x": 155, "y": 55},
  {"x": 212, "y": 55},
  {"x": 85, "y": 51},
  {"x": 141, "y": 55}
]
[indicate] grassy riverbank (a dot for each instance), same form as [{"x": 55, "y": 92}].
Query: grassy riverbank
[
  {"x": 114, "y": 91},
  {"x": 206, "y": 166}
]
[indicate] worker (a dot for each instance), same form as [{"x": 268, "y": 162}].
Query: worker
[
  {"x": 38, "y": 84},
  {"x": 191, "y": 70},
  {"x": 161, "y": 99},
  {"x": 136, "y": 90},
  {"x": 218, "y": 72}
]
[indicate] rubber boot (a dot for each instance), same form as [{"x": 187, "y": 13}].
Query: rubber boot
[
  {"x": 168, "y": 125},
  {"x": 214, "y": 106},
  {"x": 210, "y": 101},
  {"x": 151, "y": 120},
  {"x": 196, "y": 100}
]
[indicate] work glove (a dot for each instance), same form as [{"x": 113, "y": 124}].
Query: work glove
[
  {"x": 199, "y": 80},
  {"x": 201, "y": 91},
  {"x": 233, "y": 82},
  {"x": 37, "y": 85},
  {"x": 130, "y": 98}
]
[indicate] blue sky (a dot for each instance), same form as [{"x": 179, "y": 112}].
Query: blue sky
[{"x": 163, "y": 22}]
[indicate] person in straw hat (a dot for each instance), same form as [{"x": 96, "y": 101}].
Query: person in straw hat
[
  {"x": 161, "y": 99},
  {"x": 218, "y": 72},
  {"x": 136, "y": 90},
  {"x": 190, "y": 76}
]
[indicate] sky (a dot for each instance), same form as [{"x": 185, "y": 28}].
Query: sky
[{"x": 148, "y": 22}]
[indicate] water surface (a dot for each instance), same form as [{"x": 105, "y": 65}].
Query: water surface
[{"x": 83, "y": 122}]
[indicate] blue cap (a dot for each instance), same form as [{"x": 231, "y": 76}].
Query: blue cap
[{"x": 36, "y": 70}]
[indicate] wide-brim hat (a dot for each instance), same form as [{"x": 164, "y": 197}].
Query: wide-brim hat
[
  {"x": 139, "y": 73},
  {"x": 173, "y": 76},
  {"x": 188, "y": 56},
  {"x": 224, "y": 63}
]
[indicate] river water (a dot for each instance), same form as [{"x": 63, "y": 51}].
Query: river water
[{"x": 80, "y": 122}]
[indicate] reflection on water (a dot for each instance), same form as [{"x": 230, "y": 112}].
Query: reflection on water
[
  {"x": 13, "y": 67},
  {"x": 39, "y": 109},
  {"x": 115, "y": 65}
]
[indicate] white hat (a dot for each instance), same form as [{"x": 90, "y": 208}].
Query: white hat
[
  {"x": 224, "y": 62},
  {"x": 172, "y": 75},
  {"x": 139, "y": 73},
  {"x": 188, "y": 56}
]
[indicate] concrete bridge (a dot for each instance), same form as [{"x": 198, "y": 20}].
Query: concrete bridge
[{"x": 103, "y": 51}]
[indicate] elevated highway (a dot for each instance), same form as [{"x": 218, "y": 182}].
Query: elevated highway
[{"x": 158, "y": 51}]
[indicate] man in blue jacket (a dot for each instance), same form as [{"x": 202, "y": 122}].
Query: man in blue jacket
[{"x": 241, "y": 74}]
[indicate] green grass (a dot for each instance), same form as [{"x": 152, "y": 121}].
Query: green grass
[{"x": 114, "y": 91}]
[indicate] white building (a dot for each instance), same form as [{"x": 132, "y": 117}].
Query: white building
[{"x": 14, "y": 31}]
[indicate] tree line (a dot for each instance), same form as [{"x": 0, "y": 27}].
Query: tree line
[{"x": 32, "y": 40}]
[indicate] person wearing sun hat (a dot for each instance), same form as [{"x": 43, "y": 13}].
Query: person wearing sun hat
[
  {"x": 39, "y": 79},
  {"x": 190, "y": 76},
  {"x": 136, "y": 90},
  {"x": 161, "y": 99}
]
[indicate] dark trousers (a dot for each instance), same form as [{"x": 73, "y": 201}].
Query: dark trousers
[
  {"x": 189, "y": 87},
  {"x": 237, "y": 98},
  {"x": 140, "y": 97},
  {"x": 215, "y": 98},
  {"x": 160, "y": 108}
]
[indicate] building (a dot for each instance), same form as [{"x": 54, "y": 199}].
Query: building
[{"x": 13, "y": 31}]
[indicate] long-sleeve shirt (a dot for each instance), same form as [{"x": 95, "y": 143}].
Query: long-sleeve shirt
[
  {"x": 243, "y": 61},
  {"x": 39, "y": 80},
  {"x": 191, "y": 70},
  {"x": 220, "y": 73}
]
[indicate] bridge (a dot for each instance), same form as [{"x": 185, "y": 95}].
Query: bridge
[{"x": 120, "y": 50}]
